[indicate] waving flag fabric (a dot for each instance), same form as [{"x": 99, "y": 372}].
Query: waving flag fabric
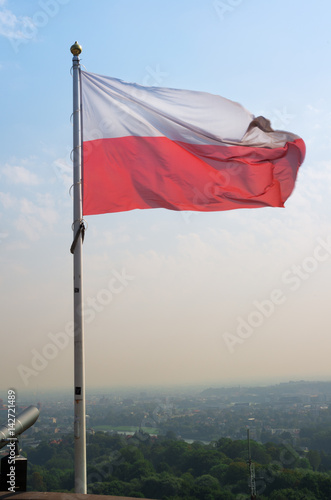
[{"x": 151, "y": 147}]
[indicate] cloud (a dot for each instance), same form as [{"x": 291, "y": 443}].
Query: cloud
[
  {"x": 30, "y": 226},
  {"x": 314, "y": 109},
  {"x": 20, "y": 175},
  {"x": 7, "y": 200},
  {"x": 63, "y": 170},
  {"x": 31, "y": 217},
  {"x": 14, "y": 27},
  {"x": 34, "y": 216},
  {"x": 117, "y": 237}
]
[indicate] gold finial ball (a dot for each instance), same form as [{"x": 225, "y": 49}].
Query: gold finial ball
[{"x": 76, "y": 49}]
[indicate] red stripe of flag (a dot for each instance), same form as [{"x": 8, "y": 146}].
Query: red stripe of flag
[{"x": 127, "y": 173}]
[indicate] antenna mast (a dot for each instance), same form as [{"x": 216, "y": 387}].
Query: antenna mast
[{"x": 252, "y": 485}]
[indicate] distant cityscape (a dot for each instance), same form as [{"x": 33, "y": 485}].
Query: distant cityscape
[{"x": 271, "y": 413}]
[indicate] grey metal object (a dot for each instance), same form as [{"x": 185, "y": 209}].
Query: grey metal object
[
  {"x": 22, "y": 422},
  {"x": 79, "y": 355}
]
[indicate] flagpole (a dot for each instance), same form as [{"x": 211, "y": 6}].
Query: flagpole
[{"x": 76, "y": 249}]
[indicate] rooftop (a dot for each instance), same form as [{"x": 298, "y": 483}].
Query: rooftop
[{"x": 38, "y": 495}]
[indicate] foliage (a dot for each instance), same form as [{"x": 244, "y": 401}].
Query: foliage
[{"x": 171, "y": 469}]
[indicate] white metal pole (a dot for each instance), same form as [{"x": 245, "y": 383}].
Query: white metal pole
[{"x": 79, "y": 364}]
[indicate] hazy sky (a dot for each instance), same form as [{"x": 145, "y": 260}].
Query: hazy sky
[{"x": 215, "y": 299}]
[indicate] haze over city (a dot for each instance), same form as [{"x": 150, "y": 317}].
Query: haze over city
[{"x": 172, "y": 298}]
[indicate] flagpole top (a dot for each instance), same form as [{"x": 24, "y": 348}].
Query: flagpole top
[{"x": 76, "y": 49}]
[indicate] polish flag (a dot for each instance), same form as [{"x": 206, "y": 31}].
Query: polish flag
[{"x": 151, "y": 147}]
